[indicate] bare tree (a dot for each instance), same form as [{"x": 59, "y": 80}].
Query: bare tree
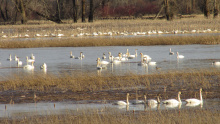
[
  {"x": 20, "y": 6},
  {"x": 206, "y": 9},
  {"x": 83, "y": 10},
  {"x": 75, "y": 10},
  {"x": 91, "y": 11},
  {"x": 216, "y": 9}
]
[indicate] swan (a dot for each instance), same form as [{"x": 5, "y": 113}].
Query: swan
[
  {"x": 171, "y": 53},
  {"x": 44, "y": 66},
  {"x": 122, "y": 102},
  {"x": 152, "y": 63},
  {"x": 153, "y": 101},
  {"x": 140, "y": 101},
  {"x": 103, "y": 56},
  {"x": 19, "y": 62},
  {"x": 32, "y": 56},
  {"x": 16, "y": 58},
  {"x": 81, "y": 56},
  {"x": 173, "y": 101},
  {"x": 9, "y": 59},
  {"x": 142, "y": 63},
  {"x": 132, "y": 56},
  {"x": 29, "y": 67},
  {"x": 29, "y": 60},
  {"x": 71, "y": 54},
  {"x": 145, "y": 57},
  {"x": 179, "y": 56},
  {"x": 99, "y": 64},
  {"x": 215, "y": 63},
  {"x": 110, "y": 57},
  {"x": 195, "y": 101}
]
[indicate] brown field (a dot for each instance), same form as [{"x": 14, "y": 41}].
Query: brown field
[
  {"x": 76, "y": 86},
  {"x": 46, "y": 27}
]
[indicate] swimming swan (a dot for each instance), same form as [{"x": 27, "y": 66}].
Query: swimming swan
[
  {"x": 122, "y": 102},
  {"x": 173, "y": 101},
  {"x": 29, "y": 60},
  {"x": 71, "y": 54},
  {"x": 195, "y": 101},
  {"x": 153, "y": 101},
  {"x": 44, "y": 66},
  {"x": 171, "y": 53},
  {"x": 215, "y": 63},
  {"x": 29, "y": 67},
  {"x": 179, "y": 56}
]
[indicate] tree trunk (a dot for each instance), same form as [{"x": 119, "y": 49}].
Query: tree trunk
[
  {"x": 75, "y": 10},
  {"x": 23, "y": 13},
  {"x": 216, "y": 9},
  {"x": 83, "y": 11},
  {"x": 206, "y": 9},
  {"x": 167, "y": 9},
  {"x": 91, "y": 11}
]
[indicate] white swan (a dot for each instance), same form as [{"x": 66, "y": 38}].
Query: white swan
[
  {"x": 44, "y": 66},
  {"x": 215, "y": 63},
  {"x": 140, "y": 101},
  {"x": 152, "y": 63},
  {"x": 153, "y": 101},
  {"x": 103, "y": 56},
  {"x": 132, "y": 56},
  {"x": 143, "y": 61},
  {"x": 110, "y": 57},
  {"x": 29, "y": 60},
  {"x": 173, "y": 101},
  {"x": 71, "y": 54},
  {"x": 19, "y": 62},
  {"x": 171, "y": 53},
  {"x": 81, "y": 56},
  {"x": 9, "y": 59},
  {"x": 122, "y": 102},
  {"x": 195, "y": 101},
  {"x": 29, "y": 67},
  {"x": 179, "y": 56},
  {"x": 32, "y": 56},
  {"x": 99, "y": 64},
  {"x": 16, "y": 58}
]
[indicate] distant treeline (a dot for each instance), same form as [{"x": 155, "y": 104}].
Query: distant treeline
[{"x": 13, "y": 11}]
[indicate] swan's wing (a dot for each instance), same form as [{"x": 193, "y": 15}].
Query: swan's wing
[{"x": 193, "y": 100}]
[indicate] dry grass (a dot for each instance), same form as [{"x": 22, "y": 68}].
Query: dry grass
[
  {"x": 189, "y": 80},
  {"x": 111, "y": 116},
  {"x": 135, "y": 41},
  {"x": 198, "y": 23}
]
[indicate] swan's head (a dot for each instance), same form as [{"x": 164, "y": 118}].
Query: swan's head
[
  {"x": 200, "y": 89},
  {"x": 127, "y": 94},
  {"x": 179, "y": 92}
]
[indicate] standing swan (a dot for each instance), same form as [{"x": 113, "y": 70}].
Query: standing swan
[
  {"x": 195, "y": 101},
  {"x": 122, "y": 102},
  {"x": 173, "y": 101}
]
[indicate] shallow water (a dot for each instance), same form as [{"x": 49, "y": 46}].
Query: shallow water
[
  {"x": 58, "y": 59},
  {"x": 30, "y": 109}
]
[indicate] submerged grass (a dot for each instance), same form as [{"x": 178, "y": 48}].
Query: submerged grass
[
  {"x": 135, "y": 41},
  {"x": 111, "y": 116}
]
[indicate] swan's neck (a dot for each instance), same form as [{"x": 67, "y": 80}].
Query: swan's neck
[
  {"x": 201, "y": 96},
  {"x": 127, "y": 100},
  {"x": 145, "y": 99},
  {"x": 135, "y": 52},
  {"x": 158, "y": 99},
  {"x": 179, "y": 98},
  {"x": 170, "y": 49}
]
